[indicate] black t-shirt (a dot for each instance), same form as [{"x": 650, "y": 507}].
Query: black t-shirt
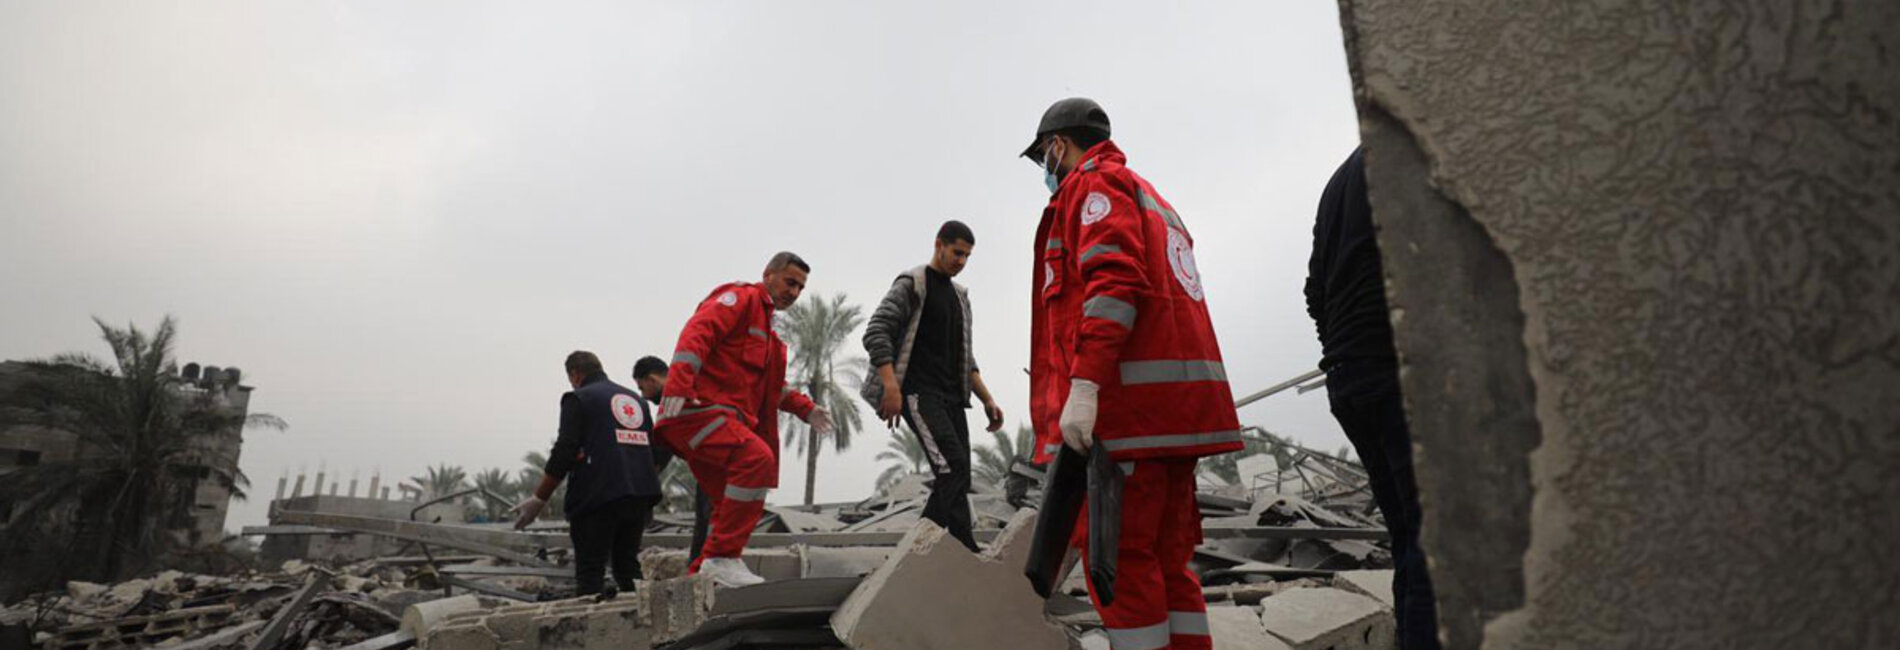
[{"x": 936, "y": 356}]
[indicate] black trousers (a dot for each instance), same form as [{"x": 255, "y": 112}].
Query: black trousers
[
  {"x": 702, "y": 521},
  {"x": 1365, "y": 398},
  {"x": 942, "y": 427},
  {"x": 610, "y": 533}
]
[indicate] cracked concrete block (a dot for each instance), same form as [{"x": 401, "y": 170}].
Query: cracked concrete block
[
  {"x": 1374, "y": 584},
  {"x": 843, "y": 561},
  {"x": 933, "y": 593},
  {"x": 1649, "y": 253},
  {"x": 1328, "y": 619},
  {"x": 1239, "y": 628},
  {"x": 420, "y": 617},
  {"x": 616, "y": 624},
  {"x": 462, "y": 635},
  {"x": 670, "y": 609},
  {"x": 770, "y": 563}
]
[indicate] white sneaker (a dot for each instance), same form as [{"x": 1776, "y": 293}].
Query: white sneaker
[{"x": 729, "y": 572}]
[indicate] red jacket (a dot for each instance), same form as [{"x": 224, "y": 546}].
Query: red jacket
[
  {"x": 729, "y": 359},
  {"x": 1118, "y": 301}
]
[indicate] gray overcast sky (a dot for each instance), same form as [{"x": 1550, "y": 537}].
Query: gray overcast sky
[{"x": 398, "y": 217}]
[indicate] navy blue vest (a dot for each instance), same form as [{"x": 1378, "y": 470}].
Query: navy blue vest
[{"x": 616, "y": 451}]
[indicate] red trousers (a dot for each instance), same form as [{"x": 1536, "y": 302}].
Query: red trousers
[
  {"x": 734, "y": 468},
  {"x": 1158, "y": 600}
]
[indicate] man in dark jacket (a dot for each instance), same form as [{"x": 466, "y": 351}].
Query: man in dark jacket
[
  {"x": 604, "y": 451},
  {"x": 918, "y": 340},
  {"x": 1345, "y": 295}
]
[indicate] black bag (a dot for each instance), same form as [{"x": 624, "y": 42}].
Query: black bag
[
  {"x": 1063, "y": 488},
  {"x": 1105, "y": 522}
]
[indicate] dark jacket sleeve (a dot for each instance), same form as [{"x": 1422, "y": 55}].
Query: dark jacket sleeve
[
  {"x": 567, "y": 445},
  {"x": 886, "y": 327}
]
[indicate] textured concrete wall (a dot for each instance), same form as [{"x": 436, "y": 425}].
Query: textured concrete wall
[{"x": 1642, "y": 259}]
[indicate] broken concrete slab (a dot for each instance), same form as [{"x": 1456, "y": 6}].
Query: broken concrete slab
[
  {"x": 1239, "y": 628},
  {"x": 784, "y": 563},
  {"x": 902, "y": 605},
  {"x": 577, "y": 624},
  {"x": 1374, "y": 584},
  {"x": 419, "y": 618},
  {"x": 843, "y": 561},
  {"x": 1653, "y": 261},
  {"x": 1328, "y": 619},
  {"x": 672, "y": 609}
]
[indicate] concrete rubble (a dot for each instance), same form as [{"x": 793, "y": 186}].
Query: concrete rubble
[
  {"x": 1293, "y": 548},
  {"x": 903, "y": 603}
]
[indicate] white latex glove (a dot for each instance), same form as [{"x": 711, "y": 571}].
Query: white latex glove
[
  {"x": 527, "y": 511},
  {"x": 670, "y": 407},
  {"x": 820, "y": 421},
  {"x": 1078, "y": 415}
]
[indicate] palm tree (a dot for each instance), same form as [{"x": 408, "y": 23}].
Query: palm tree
[
  {"x": 816, "y": 331},
  {"x": 907, "y": 457},
  {"x": 992, "y": 462},
  {"x": 142, "y": 434},
  {"x": 528, "y": 478},
  {"x": 440, "y": 481},
  {"x": 1257, "y": 441},
  {"x": 496, "y": 481}
]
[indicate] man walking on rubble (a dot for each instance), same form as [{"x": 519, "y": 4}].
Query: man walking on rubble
[
  {"x": 720, "y": 412},
  {"x": 649, "y": 375},
  {"x": 919, "y": 342},
  {"x": 1345, "y": 295},
  {"x": 1123, "y": 360},
  {"x": 603, "y": 450}
]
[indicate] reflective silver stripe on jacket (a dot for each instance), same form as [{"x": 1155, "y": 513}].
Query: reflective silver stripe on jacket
[
  {"x": 1054, "y": 244},
  {"x": 1168, "y": 371},
  {"x": 737, "y": 493},
  {"x": 1173, "y": 440},
  {"x": 688, "y": 358},
  {"x": 703, "y": 409},
  {"x": 1139, "y": 638},
  {"x": 1110, "y": 308},
  {"x": 706, "y": 431},
  {"x": 1098, "y": 249},
  {"x": 1150, "y": 203},
  {"x": 1190, "y": 623},
  {"x": 755, "y": 332}
]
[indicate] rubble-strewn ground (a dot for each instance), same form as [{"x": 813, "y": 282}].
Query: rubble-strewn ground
[{"x": 1293, "y": 557}]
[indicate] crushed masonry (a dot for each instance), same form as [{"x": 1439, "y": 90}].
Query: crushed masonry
[{"x": 1293, "y": 555}]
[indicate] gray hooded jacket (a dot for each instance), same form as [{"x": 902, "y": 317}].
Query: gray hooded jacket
[{"x": 893, "y": 329}]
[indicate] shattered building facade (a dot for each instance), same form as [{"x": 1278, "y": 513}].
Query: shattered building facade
[{"x": 203, "y": 502}]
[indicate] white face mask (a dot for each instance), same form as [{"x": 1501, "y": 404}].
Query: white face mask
[{"x": 1049, "y": 165}]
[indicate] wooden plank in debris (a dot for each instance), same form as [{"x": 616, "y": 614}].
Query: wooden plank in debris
[
  {"x": 557, "y": 573},
  {"x": 492, "y": 590},
  {"x": 1290, "y": 532},
  {"x": 506, "y": 544},
  {"x": 281, "y": 622},
  {"x": 252, "y": 531}
]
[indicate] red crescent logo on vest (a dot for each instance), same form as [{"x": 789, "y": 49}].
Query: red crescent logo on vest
[
  {"x": 1181, "y": 257},
  {"x": 627, "y": 411},
  {"x": 728, "y": 299},
  {"x": 1094, "y": 208}
]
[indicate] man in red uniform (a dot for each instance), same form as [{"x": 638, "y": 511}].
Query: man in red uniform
[
  {"x": 1123, "y": 360},
  {"x": 720, "y": 407}
]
